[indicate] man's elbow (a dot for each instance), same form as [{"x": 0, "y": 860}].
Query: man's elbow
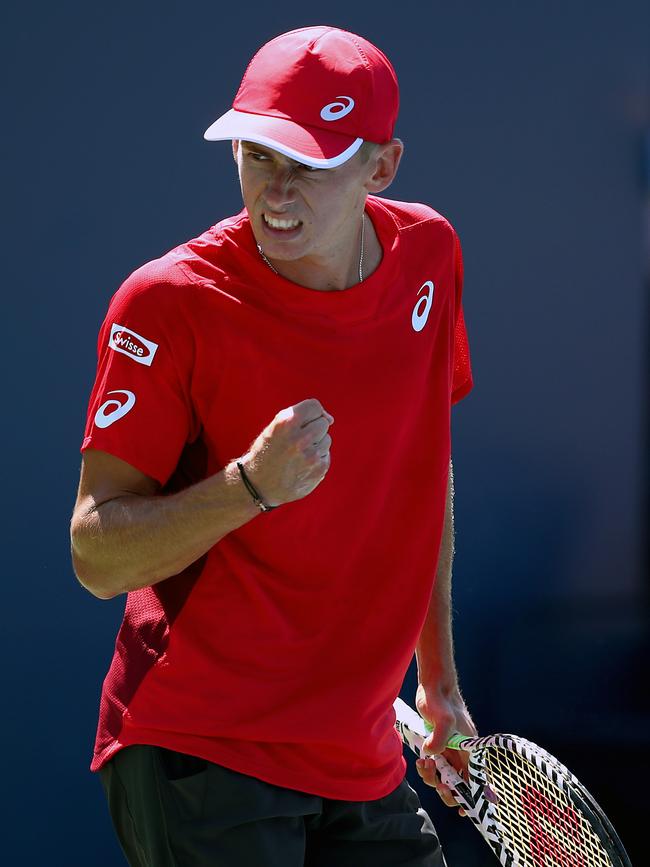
[
  {"x": 91, "y": 578},
  {"x": 101, "y": 575},
  {"x": 90, "y": 571},
  {"x": 97, "y": 591}
]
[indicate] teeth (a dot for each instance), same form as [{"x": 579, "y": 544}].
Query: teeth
[{"x": 281, "y": 224}]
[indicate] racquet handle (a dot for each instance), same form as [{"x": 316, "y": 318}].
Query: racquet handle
[
  {"x": 455, "y": 741},
  {"x": 419, "y": 728}
]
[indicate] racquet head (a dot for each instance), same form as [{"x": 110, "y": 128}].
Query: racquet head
[{"x": 531, "y": 810}]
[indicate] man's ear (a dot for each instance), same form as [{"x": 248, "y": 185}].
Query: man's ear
[
  {"x": 235, "y": 148},
  {"x": 385, "y": 163}
]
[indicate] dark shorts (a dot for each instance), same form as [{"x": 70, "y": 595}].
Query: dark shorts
[{"x": 174, "y": 810}]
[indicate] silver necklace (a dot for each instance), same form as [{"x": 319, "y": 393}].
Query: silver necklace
[{"x": 363, "y": 235}]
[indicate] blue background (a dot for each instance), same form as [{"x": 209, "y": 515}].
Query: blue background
[{"x": 524, "y": 125}]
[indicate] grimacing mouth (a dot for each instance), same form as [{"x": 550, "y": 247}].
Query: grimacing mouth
[{"x": 283, "y": 223}]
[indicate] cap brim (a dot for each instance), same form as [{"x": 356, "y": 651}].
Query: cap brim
[{"x": 309, "y": 145}]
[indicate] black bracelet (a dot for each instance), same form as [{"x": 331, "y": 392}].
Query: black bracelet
[{"x": 259, "y": 502}]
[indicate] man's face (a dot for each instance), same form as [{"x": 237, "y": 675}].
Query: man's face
[{"x": 300, "y": 213}]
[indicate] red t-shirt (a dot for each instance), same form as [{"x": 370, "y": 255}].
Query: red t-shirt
[{"x": 279, "y": 653}]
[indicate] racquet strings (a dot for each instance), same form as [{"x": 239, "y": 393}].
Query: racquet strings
[{"x": 544, "y": 826}]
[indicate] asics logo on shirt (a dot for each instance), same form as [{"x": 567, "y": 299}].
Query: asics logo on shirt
[
  {"x": 337, "y": 110},
  {"x": 114, "y": 409},
  {"x": 422, "y": 307},
  {"x": 131, "y": 343}
]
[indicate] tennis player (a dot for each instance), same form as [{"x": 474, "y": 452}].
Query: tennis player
[{"x": 266, "y": 473}]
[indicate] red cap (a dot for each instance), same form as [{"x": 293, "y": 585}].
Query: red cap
[{"x": 315, "y": 95}]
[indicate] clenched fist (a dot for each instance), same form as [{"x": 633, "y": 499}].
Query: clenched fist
[{"x": 292, "y": 454}]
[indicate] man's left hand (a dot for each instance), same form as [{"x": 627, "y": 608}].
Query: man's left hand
[{"x": 446, "y": 713}]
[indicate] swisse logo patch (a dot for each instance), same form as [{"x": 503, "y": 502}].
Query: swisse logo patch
[
  {"x": 337, "y": 110},
  {"x": 131, "y": 343},
  {"x": 113, "y": 409}
]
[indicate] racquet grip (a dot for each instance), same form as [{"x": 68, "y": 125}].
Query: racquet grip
[{"x": 456, "y": 740}]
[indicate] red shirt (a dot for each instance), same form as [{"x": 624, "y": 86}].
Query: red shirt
[{"x": 280, "y": 652}]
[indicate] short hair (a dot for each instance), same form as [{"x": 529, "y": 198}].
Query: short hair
[{"x": 367, "y": 150}]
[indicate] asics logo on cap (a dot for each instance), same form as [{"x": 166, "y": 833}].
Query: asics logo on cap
[{"x": 337, "y": 110}]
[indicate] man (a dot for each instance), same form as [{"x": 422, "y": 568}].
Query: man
[{"x": 275, "y": 598}]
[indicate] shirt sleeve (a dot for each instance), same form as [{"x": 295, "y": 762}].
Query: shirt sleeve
[
  {"x": 462, "y": 381},
  {"x": 140, "y": 407}
]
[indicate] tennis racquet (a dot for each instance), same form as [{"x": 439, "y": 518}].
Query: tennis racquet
[{"x": 529, "y": 808}]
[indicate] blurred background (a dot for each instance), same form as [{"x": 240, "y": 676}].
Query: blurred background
[{"x": 526, "y": 125}]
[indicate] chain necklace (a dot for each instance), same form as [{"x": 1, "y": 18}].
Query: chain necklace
[{"x": 363, "y": 234}]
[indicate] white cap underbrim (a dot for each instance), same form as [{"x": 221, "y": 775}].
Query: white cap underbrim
[{"x": 311, "y": 146}]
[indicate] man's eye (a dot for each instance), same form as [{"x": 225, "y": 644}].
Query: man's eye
[{"x": 309, "y": 168}]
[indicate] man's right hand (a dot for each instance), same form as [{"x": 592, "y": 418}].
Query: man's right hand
[{"x": 292, "y": 454}]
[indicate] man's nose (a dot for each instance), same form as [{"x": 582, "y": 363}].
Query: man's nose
[{"x": 279, "y": 192}]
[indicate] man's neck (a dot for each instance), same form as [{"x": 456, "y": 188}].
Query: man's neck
[{"x": 339, "y": 270}]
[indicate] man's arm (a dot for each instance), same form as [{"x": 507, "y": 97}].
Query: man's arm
[
  {"x": 126, "y": 535},
  {"x": 438, "y": 697}
]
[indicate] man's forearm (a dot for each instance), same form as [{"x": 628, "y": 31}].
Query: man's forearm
[
  {"x": 434, "y": 650},
  {"x": 438, "y": 698},
  {"x": 135, "y": 541}
]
